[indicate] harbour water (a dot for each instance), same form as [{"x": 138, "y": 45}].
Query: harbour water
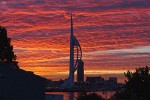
[{"x": 74, "y": 95}]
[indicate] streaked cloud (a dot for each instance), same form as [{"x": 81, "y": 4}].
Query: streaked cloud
[
  {"x": 142, "y": 49},
  {"x": 114, "y": 34}
]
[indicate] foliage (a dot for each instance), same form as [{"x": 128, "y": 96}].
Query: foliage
[
  {"x": 90, "y": 96},
  {"x": 6, "y": 49},
  {"x": 137, "y": 86}
]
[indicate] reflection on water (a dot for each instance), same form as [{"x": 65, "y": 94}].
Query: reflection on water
[{"x": 74, "y": 95}]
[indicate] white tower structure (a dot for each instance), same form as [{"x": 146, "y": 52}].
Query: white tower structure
[{"x": 75, "y": 58}]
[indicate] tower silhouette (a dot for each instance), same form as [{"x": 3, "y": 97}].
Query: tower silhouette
[{"x": 76, "y": 62}]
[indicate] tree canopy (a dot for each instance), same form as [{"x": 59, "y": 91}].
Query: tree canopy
[
  {"x": 90, "y": 96},
  {"x": 137, "y": 86},
  {"x": 6, "y": 49}
]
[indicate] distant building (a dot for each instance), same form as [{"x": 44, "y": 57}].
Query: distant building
[
  {"x": 113, "y": 79},
  {"x": 98, "y": 79},
  {"x": 17, "y": 84},
  {"x": 98, "y": 83},
  {"x": 80, "y": 71}
]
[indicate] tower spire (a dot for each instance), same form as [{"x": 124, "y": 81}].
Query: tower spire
[
  {"x": 71, "y": 72},
  {"x": 71, "y": 25}
]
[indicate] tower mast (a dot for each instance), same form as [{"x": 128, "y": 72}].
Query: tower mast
[
  {"x": 75, "y": 61},
  {"x": 71, "y": 72}
]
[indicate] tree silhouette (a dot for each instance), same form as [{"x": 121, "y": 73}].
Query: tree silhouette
[
  {"x": 137, "y": 86},
  {"x": 6, "y": 49},
  {"x": 90, "y": 96}
]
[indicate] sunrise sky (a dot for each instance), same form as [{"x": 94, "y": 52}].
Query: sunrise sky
[{"x": 114, "y": 34}]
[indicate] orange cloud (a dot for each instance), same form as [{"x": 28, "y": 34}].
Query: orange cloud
[{"x": 106, "y": 30}]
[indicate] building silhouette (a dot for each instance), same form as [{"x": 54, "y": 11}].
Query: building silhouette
[
  {"x": 80, "y": 71},
  {"x": 17, "y": 84}
]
